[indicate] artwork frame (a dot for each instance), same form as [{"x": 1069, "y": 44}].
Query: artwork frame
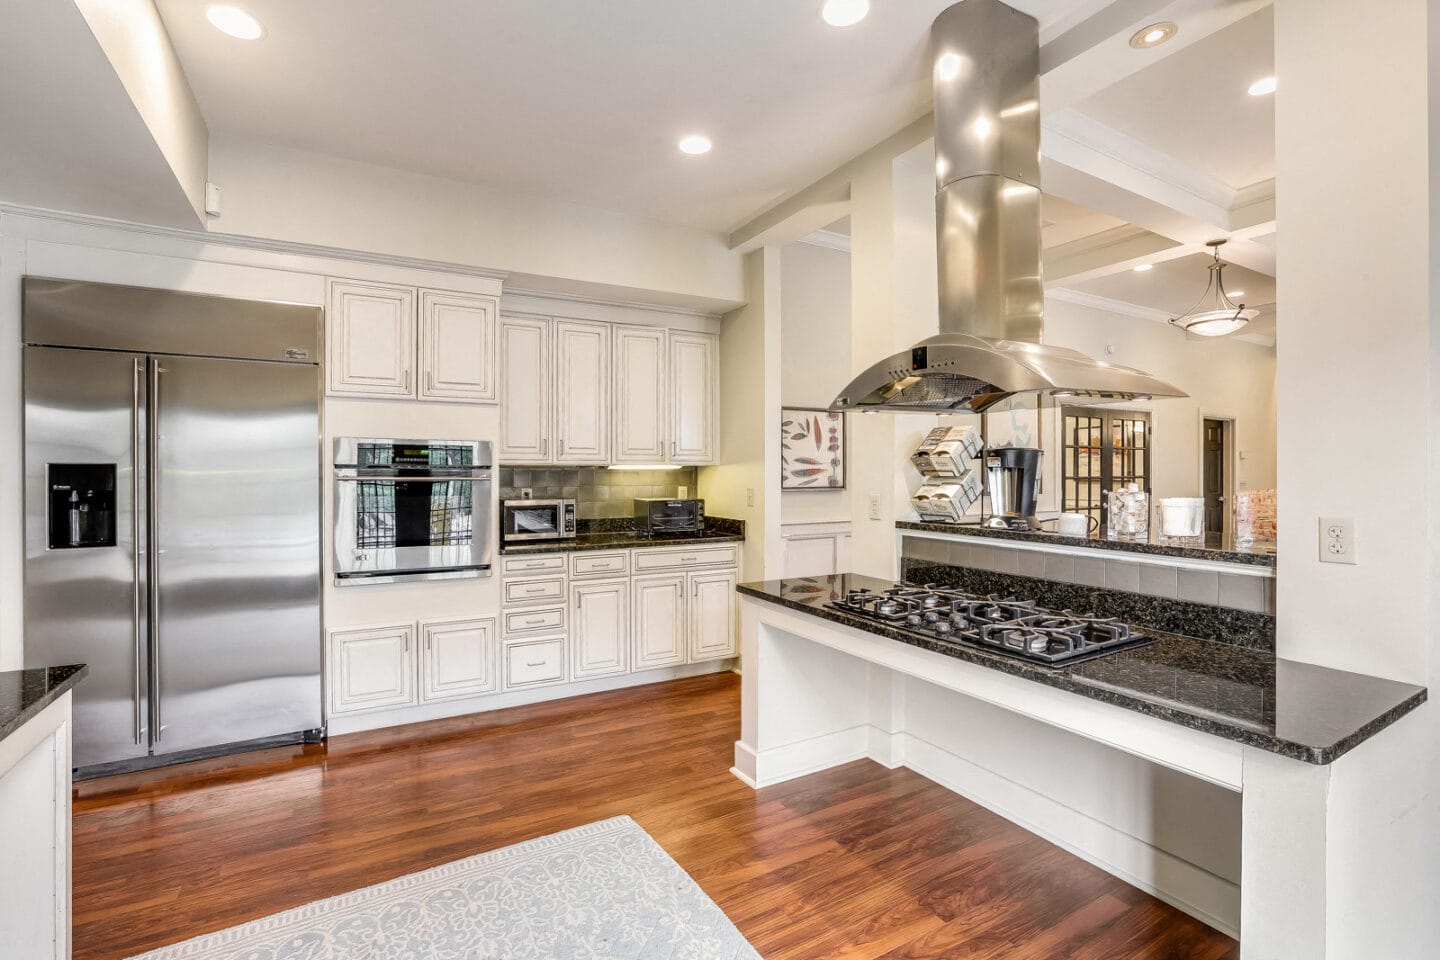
[{"x": 803, "y": 464}]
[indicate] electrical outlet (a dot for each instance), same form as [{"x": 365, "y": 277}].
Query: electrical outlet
[
  {"x": 1337, "y": 540},
  {"x": 749, "y": 496},
  {"x": 874, "y": 506},
  {"x": 527, "y": 493},
  {"x": 684, "y": 492}
]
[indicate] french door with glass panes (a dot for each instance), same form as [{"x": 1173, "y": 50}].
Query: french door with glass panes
[{"x": 1102, "y": 450}]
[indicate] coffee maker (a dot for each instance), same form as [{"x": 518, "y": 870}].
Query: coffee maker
[{"x": 1012, "y": 481}]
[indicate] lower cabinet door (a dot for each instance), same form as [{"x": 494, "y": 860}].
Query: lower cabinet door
[
  {"x": 457, "y": 658},
  {"x": 371, "y": 668},
  {"x": 657, "y": 621},
  {"x": 599, "y": 628},
  {"x": 711, "y": 615}
]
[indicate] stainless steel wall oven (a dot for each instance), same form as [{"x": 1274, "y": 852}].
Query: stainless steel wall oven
[{"x": 411, "y": 509}]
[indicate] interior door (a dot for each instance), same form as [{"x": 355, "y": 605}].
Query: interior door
[
  {"x": 1213, "y": 474},
  {"x": 235, "y": 544},
  {"x": 85, "y": 569}
]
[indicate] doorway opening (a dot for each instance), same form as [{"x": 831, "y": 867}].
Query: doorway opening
[{"x": 1217, "y": 479}]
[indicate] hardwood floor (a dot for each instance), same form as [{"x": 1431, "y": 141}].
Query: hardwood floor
[{"x": 858, "y": 862}]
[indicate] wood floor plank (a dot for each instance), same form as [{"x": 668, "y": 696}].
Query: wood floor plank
[{"x": 856, "y": 863}]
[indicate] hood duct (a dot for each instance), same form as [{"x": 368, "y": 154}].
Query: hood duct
[{"x": 986, "y": 63}]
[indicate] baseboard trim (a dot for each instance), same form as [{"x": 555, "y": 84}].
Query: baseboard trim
[
  {"x": 803, "y": 757},
  {"x": 1207, "y": 897}
]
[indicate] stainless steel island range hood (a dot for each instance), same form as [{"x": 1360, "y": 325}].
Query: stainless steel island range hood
[{"x": 986, "y": 62}]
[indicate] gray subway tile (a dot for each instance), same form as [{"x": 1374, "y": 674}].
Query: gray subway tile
[
  {"x": 1090, "y": 571},
  {"x": 1122, "y": 575},
  {"x": 1199, "y": 586},
  {"x": 1006, "y": 560},
  {"x": 1159, "y": 581},
  {"x": 1269, "y": 593},
  {"x": 982, "y": 556},
  {"x": 959, "y": 554},
  {"x": 1242, "y": 593},
  {"x": 1059, "y": 566},
  {"x": 1032, "y": 563}
]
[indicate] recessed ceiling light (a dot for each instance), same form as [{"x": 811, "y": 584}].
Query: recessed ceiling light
[
  {"x": 844, "y": 13},
  {"x": 1261, "y": 87},
  {"x": 1154, "y": 35},
  {"x": 1144, "y": 267},
  {"x": 235, "y": 22},
  {"x": 695, "y": 144}
]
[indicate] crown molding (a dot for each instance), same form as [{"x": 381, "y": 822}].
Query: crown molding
[
  {"x": 261, "y": 244},
  {"x": 533, "y": 294},
  {"x": 1108, "y": 304}
]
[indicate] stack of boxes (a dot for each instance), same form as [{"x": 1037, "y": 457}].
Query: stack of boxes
[{"x": 951, "y": 485}]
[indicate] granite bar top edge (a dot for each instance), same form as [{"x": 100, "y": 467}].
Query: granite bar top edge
[
  {"x": 1243, "y": 557},
  {"x": 617, "y": 540},
  {"x": 1237, "y": 730},
  {"x": 25, "y": 693}
]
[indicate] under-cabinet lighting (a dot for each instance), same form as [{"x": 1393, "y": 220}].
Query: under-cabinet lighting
[{"x": 643, "y": 466}]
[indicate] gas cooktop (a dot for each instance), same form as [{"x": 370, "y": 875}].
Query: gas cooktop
[{"x": 1006, "y": 625}]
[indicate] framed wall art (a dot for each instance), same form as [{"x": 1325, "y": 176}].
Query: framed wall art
[{"x": 812, "y": 449}]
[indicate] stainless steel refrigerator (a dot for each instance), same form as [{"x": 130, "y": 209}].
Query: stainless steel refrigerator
[{"x": 172, "y": 517}]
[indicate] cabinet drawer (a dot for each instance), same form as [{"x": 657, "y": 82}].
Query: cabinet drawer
[
  {"x": 528, "y": 620},
  {"x": 534, "y": 662},
  {"x": 682, "y": 559},
  {"x": 600, "y": 564},
  {"x": 530, "y": 565},
  {"x": 544, "y": 590}
]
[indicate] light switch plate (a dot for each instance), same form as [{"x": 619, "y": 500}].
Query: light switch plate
[
  {"x": 874, "y": 506},
  {"x": 1337, "y": 540},
  {"x": 749, "y": 496},
  {"x": 684, "y": 492}
]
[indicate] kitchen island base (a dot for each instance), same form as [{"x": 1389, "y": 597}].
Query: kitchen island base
[{"x": 818, "y": 693}]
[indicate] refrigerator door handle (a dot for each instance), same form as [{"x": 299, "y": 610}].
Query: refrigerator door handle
[
  {"x": 137, "y": 441},
  {"x": 153, "y": 475}
]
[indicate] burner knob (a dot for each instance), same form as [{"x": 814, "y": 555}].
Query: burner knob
[
  {"x": 913, "y": 620},
  {"x": 942, "y": 627},
  {"x": 931, "y": 616}
]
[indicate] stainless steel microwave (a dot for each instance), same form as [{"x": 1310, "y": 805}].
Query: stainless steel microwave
[
  {"x": 523, "y": 520},
  {"x": 411, "y": 509},
  {"x": 659, "y": 515}
]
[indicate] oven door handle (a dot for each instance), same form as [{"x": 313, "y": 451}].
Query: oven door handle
[{"x": 428, "y": 478}]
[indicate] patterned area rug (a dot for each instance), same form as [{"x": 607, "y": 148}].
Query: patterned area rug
[{"x": 605, "y": 891}]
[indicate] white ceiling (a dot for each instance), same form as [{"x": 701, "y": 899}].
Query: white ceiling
[
  {"x": 575, "y": 99},
  {"x": 1195, "y": 105}
]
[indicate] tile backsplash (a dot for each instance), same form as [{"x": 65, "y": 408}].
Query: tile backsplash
[{"x": 599, "y": 493}]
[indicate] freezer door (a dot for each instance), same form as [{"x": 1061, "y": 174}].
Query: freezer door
[
  {"x": 85, "y": 584},
  {"x": 236, "y": 540}
]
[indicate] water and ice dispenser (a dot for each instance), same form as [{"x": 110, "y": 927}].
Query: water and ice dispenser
[{"x": 82, "y": 505}]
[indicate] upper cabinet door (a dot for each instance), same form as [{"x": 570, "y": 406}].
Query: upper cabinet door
[
  {"x": 370, "y": 336},
  {"x": 640, "y": 395},
  {"x": 457, "y": 347},
  {"x": 694, "y": 397},
  {"x": 525, "y": 390},
  {"x": 582, "y": 395}
]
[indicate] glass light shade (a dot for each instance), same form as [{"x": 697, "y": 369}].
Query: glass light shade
[{"x": 1215, "y": 323}]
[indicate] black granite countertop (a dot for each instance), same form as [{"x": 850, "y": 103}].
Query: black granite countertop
[
  {"x": 24, "y": 693},
  {"x": 1309, "y": 713},
  {"x": 618, "y": 540},
  {"x": 1258, "y": 554}
]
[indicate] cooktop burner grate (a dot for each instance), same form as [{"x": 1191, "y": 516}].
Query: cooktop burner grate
[{"x": 1005, "y": 625}]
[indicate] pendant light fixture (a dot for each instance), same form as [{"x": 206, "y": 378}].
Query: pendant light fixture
[{"x": 1215, "y": 314}]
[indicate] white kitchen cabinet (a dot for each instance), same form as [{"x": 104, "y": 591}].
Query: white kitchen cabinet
[
  {"x": 534, "y": 663},
  {"x": 657, "y": 621},
  {"x": 641, "y": 395},
  {"x": 457, "y": 347},
  {"x": 371, "y": 668},
  {"x": 710, "y": 616},
  {"x": 694, "y": 397},
  {"x": 370, "y": 338},
  {"x": 582, "y": 392},
  {"x": 525, "y": 390},
  {"x": 457, "y": 658},
  {"x": 600, "y": 628}
]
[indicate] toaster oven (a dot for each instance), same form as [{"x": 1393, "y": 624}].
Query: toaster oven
[{"x": 661, "y": 515}]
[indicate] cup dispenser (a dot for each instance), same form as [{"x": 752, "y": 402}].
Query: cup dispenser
[{"x": 82, "y": 505}]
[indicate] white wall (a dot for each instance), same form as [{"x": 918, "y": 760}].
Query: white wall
[
  {"x": 746, "y": 484},
  {"x": 1226, "y": 378},
  {"x": 814, "y": 355},
  {"x": 282, "y": 194}
]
